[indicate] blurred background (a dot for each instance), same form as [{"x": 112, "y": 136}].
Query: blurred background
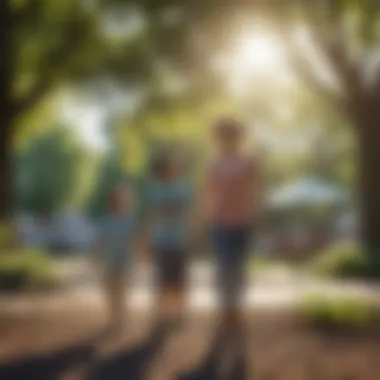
[{"x": 90, "y": 89}]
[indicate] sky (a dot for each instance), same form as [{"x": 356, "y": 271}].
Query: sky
[
  {"x": 88, "y": 115},
  {"x": 88, "y": 122}
]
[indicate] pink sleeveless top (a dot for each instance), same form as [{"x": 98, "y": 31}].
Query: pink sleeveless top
[{"x": 230, "y": 196}]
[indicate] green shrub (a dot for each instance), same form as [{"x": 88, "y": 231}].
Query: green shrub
[
  {"x": 20, "y": 270},
  {"x": 6, "y": 235},
  {"x": 262, "y": 264},
  {"x": 344, "y": 260},
  {"x": 344, "y": 313}
]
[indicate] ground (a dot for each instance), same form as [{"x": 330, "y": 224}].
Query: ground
[{"x": 58, "y": 336}]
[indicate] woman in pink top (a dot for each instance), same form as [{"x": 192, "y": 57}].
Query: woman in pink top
[{"x": 232, "y": 203}]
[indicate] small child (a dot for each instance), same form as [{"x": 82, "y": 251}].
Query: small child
[
  {"x": 170, "y": 202},
  {"x": 115, "y": 246},
  {"x": 232, "y": 200}
]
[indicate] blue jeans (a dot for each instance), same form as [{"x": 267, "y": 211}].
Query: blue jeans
[{"x": 231, "y": 247}]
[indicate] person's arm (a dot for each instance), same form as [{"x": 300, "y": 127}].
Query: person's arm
[
  {"x": 201, "y": 206},
  {"x": 145, "y": 237},
  {"x": 258, "y": 196},
  {"x": 98, "y": 256},
  {"x": 147, "y": 226},
  {"x": 195, "y": 218}
]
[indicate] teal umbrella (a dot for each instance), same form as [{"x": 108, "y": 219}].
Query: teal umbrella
[{"x": 307, "y": 192}]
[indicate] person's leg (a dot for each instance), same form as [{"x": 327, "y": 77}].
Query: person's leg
[
  {"x": 115, "y": 297},
  {"x": 227, "y": 293},
  {"x": 231, "y": 309},
  {"x": 221, "y": 244},
  {"x": 179, "y": 284},
  {"x": 171, "y": 285},
  {"x": 163, "y": 302},
  {"x": 163, "y": 286},
  {"x": 240, "y": 248},
  {"x": 234, "y": 298},
  {"x": 232, "y": 260}
]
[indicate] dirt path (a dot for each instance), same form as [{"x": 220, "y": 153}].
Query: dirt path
[
  {"x": 65, "y": 345},
  {"x": 56, "y": 336}
]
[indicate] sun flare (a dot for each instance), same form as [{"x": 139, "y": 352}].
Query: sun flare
[
  {"x": 253, "y": 54},
  {"x": 257, "y": 52}
]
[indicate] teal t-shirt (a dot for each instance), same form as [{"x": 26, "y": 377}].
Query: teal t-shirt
[
  {"x": 170, "y": 203},
  {"x": 117, "y": 231}
]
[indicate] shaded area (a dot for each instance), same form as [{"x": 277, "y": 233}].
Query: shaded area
[
  {"x": 225, "y": 360},
  {"x": 274, "y": 346},
  {"x": 51, "y": 366},
  {"x": 129, "y": 364}
]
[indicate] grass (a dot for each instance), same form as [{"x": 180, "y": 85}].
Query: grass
[
  {"x": 339, "y": 313},
  {"x": 345, "y": 260},
  {"x": 26, "y": 270}
]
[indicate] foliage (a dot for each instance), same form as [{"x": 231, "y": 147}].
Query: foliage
[
  {"x": 111, "y": 173},
  {"x": 6, "y": 235},
  {"x": 76, "y": 42},
  {"x": 345, "y": 260},
  {"x": 342, "y": 260},
  {"x": 51, "y": 42},
  {"x": 325, "y": 312},
  {"x": 54, "y": 172},
  {"x": 26, "y": 270},
  {"x": 55, "y": 46}
]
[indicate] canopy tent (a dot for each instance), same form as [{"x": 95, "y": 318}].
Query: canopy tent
[{"x": 307, "y": 192}]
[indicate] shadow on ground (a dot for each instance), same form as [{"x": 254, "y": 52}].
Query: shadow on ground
[
  {"x": 48, "y": 367},
  {"x": 225, "y": 360},
  {"x": 127, "y": 364}
]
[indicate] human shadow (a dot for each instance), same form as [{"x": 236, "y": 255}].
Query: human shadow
[
  {"x": 49, "y": 366},
  {"x": 124, "y": 365},
  {"x": 211, "y": 366},
  {"x": 129, "y": 364}
]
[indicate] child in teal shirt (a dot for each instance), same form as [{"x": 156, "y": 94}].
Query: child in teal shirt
[
  {"x": 115, "y": 246},
  {"x": 170, "y": 200}
]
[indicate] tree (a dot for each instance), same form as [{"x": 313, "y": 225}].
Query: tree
[
  {"x": 345, "y": 35},
  {"x": 48, "y": 45},
  {"x": 53, "y": 173},
  {"x": 39, "y": 46}
]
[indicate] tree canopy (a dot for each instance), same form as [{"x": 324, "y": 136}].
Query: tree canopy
[{"x": 167, "y": 52}]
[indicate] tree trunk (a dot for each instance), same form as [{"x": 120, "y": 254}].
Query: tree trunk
[
  {"x": 368, "y": 133},
  {"x": 6, "y": 115},
  {"x": 6, "y": 193}
]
